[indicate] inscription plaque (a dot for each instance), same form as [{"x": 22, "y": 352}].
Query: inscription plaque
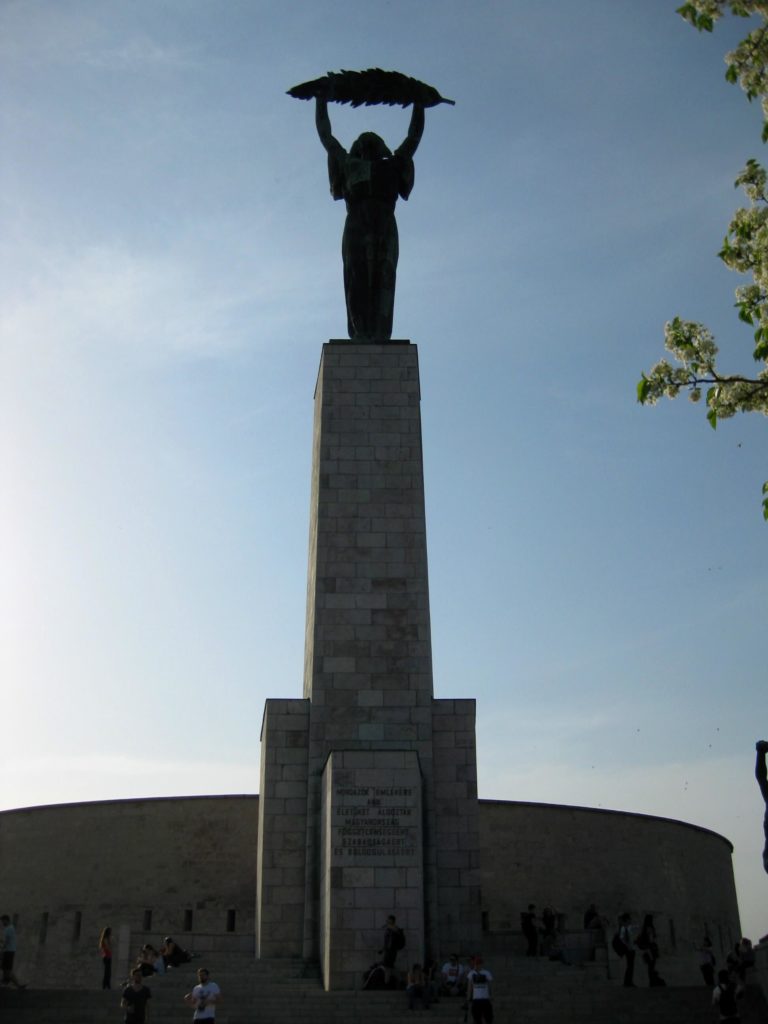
[{"x": 375, "y": 821}]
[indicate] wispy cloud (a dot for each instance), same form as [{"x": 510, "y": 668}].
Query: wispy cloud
[
  {"x": 61, "y": 34},
  {"x": 141, "y": 53},
  {"x": 155, "y": 306}
]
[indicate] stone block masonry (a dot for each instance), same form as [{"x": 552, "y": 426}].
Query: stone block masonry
[
  {"x": 367, "y": 691},
  {"x": 371, "y": 860},
  {"x": 368, "y": 644}
]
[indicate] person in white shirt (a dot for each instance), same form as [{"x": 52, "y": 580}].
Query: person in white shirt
[
  {"x": 479, "y": 992},
  {"x": 204, "y": 996},
  {"x": 452, "y": 974}
]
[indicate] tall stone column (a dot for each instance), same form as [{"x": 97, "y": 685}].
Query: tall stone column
[
  {"x": 368, "y": 656},
  {"x": 389, "y": 773}
]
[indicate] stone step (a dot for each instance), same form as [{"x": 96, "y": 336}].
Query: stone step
[
  {"x": 268, "y": 992},
  {"x": 270, "y": 1005}
]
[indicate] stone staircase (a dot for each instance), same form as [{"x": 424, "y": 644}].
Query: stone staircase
[{"x": 289, "y": 992}]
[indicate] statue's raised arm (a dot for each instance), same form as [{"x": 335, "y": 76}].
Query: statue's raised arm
[
  {"x": 369, "y": 178},
  {"x": 323, "y": 124},
  {"x": 410, "y": 143}
]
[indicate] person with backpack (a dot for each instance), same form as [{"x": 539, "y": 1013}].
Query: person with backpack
[
  {"x": 394, "y": 941},
  {"x": 646, "y": 942}
]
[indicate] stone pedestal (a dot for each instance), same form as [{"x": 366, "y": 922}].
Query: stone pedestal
[
  {"x": 372, "y": 858},
  {"x": 367, "y": 695}
]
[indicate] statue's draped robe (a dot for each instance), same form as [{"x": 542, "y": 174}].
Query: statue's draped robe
[{"x": 369, "y": 247}]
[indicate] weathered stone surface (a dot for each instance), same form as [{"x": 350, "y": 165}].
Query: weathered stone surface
[
  {"x": 282, "y": 833},
  {"x": 371, "y": 836}
]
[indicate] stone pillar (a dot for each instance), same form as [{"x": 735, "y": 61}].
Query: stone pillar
[
  {"x": 368, "y": 652},
  {"x": 371, "y": 722},
  {"x": 457, "y": 826},
  {"x": 282, "y": 838},
  {"x": 368, "y": 644}
]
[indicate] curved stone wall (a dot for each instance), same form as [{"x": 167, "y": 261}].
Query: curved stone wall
[
  {"x": 186, "y": 866},
  {"x": 147, "y": 868},
  {"x": 573, "y": 856}
]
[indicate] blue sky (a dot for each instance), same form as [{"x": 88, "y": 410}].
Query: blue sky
[{"x": 170, "y": 269}]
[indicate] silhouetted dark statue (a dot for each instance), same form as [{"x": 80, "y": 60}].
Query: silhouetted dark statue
[
  {"x": 761, "y": 774},
  {"x": 370, "y": 178}
]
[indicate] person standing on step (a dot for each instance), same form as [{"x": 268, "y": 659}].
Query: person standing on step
[
  {"x": 548, "y": 928},
  {"x": 724, "y": 997},
  {"x": 204, "y": 996},
  {"x": 707, "y": 962},
  {"x": 623, "y": 944},
  {"x": 394, "y": 941},
  {"x": 479, "y": 992},
  {"x": 530, "y": 927},
  {"x": 646, "y": 942},
  {"x": 416, "y": 988},
  {"x": 9, "y": 953},
  {"x": 134, "y": 999},
  {"x": 105, "y": 952},
  {"x": 452, "y": 975}
]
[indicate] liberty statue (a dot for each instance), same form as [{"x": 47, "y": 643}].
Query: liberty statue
[{"x": 370, "y": 178}]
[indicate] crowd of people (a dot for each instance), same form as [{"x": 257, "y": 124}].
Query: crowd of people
[
  {"x": 727, "y": 984},
  {"x": 427, "y": 983},
  {"x": 470, "y": 981},
  {"x": 627, "y": 943},
  {"x": 135, "y": 994},
  {"x": 543, "y": 934},
  {"x": 149, "y": 960},
  {"x": 731, "y": 979}
]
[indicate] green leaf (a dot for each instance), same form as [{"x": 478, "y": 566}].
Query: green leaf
[
  {"x": 712, "y": 419},
  {"x": 744, "y": 315},
  {"x": 761, "y": 351},
  {"x": 764, "y": 133},
  {"x": 765, "y": 510},
  {"x": 688, "y": 11},
  {"x": 732, "y": 75},
  {"x": 643, "y": 386},
  {"x": 765, "y": 487}
]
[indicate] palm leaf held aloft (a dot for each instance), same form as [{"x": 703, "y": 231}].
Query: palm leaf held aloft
[{"x": 369, "y": 87}]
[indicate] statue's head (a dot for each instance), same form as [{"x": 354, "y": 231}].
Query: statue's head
[{"x": 369, "y": 146}]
